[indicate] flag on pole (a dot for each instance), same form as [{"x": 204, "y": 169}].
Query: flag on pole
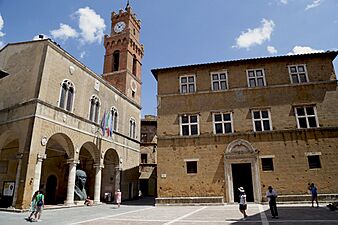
[{"x": 103, "y": 123}]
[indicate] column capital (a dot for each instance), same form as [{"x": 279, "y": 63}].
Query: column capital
[
  {"x": 73, "y": 161},
  {"x": 100, "y": 166}
]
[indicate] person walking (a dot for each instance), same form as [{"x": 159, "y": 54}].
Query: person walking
[
  {"x": 242, "y": 202},
  {"x": 314, "y": 194},
  {"x": 271, "y": 195},
  {"x": 33, "y": 206},
  {"x": 118, "y": 196},
  {"x": 40, "y": 202}
]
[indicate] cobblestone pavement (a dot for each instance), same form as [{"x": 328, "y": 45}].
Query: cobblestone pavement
[{"x": 135, "y": 213}]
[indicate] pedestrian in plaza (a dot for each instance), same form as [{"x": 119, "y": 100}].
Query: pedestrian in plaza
[
  {"x": 314, "y": 194},
  {"x": 40, "y": 202},
  {"x": 118, "y": 196},
  {"x": 88, "y": 201},
  {"x": 271, "y": 194},
  {"x": 242, "y": 202},
  {"x": 33, "y": 206}
]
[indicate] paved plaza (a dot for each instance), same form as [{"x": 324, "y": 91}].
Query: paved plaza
[{"x": 136, "y": 213}]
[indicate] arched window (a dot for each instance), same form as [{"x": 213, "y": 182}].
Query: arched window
[
  {"x": 94, "y": 109},
  {"x": 67, "y": 95},
  {"x": 134, "y": 65},
  {"x": 116, "y": 60},
  {"x": 132, "y": 128},
  {"x": 114, "y": 118}
]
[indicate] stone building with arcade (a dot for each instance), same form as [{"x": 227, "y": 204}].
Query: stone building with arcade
[
  {"x": 51, "y": 109},
  {"x": 248, "y": 122}
]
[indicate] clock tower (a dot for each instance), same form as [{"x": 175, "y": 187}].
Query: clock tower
[{"x": 122, "y": 61}]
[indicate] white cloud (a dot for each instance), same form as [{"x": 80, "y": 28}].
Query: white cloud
[
  {"x": 82, "y": 54},
  {"x": 1, "y": 26},
  {"x": 271, "y": 49},
  {"x": 36, "y": 37},
  {"x": 256, "y": 36},
  {"x": 303, "y": 50},
  {"x": 284, "y": 2},
  {"x": 92, "y": 26},
  {"x": 64, "y": 32},
  {"x": 314, "y": 4}
]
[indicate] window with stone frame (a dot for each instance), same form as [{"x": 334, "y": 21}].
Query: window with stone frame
[
  {"x": 298, "y": 74},
  {"x": 66, "y": 95},
  {"x": 189, "y": 125},
  {"x": 256, "y": 78},
  {"x": 115, "y": 116},
  {"x": 144, "y": 158},
  {"x": 314, "y": 162},
  {"x": 187, "y": 84},
  {"x": 267, "y": 164},
  {"x": 94, "y": 109},
  {"x": 132, "y": 128},
  {"x": 222, "y": 123},
  {"x": 219, "y": 81},
  {"x": 306, "y": 116},
  {"x": 191, "y": 167},
  {"x": 261, "y": 120}
]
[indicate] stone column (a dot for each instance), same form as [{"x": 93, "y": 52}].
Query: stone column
[
  {"x": 71, "y": 181},
  {"x": 97, "y": 188},
  {"x": 117, "y": 178},
  {"x": 17, "y": 178},
  {"x": 37, "y": 174}
]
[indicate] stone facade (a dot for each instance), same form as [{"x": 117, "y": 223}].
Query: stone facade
[
  {"x": 148, "y": 159},
  {"x": 223, "y": 161},
  {"x": 45, "y": 138}
]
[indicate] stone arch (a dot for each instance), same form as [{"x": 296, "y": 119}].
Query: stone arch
[
  {"x": 59, "y": 149},
  {"x": 93, "y": 150},
  {"x": 110, "y": 173},
  {"x": 61, "y": 140},
  {"x": 9, "y": 149},
  {"x": 239, "y": 146}
]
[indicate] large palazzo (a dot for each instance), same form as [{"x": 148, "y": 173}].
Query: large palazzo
[{"x": 51, "y": 112}]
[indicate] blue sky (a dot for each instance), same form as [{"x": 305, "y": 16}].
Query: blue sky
[{"x": 178, "y": 32}]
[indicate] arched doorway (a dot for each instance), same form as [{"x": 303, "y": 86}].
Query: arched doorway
[
  {"x": 50, "y": 198},
  {"x": 8, "y": 167},
  {"x": 88, "y": 158},
  {"x": 110, "y": 175},
  {"x": 55, "y": 169},
  {"x": 241, "y": 170}
]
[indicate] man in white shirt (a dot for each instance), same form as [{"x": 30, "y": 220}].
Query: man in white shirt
[{"x": 271, "y": 194}]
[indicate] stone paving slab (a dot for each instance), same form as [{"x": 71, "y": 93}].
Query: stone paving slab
[{"x": 177, "y": 215}]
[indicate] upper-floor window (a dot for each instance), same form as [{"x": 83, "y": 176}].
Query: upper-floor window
[
  {"x": 144, "y": 158},
  {"x": 261, "y": 120},
  {"x": 187, "y": 84},
  {"x": 306, "y": 116},
  {"x": 115, "y": 116},
  {"x": 134, "y": 65},
  {"x": 189, "y": 125},
  {"x": 222, "y": 123},
  {"x": 116, "y": 60},
  {"x": 144, "y": 137},
  {"x": 298, "y": 74},
  {"x": 94, "y": 109},
  {"x": 67, "y": 95},
  {"x": 256, "y": 78},
  {"x": 219, "y": 81},
  {"x": 132, "y": 128}
]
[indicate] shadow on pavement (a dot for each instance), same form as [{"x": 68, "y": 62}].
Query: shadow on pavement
[
  {"x": 294, "y": 215},
  {"x": 150, "y": 201}
]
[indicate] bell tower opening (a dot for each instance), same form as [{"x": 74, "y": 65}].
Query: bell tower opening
[{"x": 123, "y": 54}]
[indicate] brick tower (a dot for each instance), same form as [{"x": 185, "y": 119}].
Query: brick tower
[{"x": 122, "y": 61}]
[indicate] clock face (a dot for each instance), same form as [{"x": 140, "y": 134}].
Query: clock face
[{"x": 119, "y": 27}]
